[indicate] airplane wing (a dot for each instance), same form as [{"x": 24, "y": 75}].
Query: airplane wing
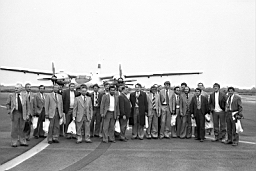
[
  {"x": 161, "y": 74},
  {"x": 24, "y": 70},
  {"x": 106, "y": 77}
]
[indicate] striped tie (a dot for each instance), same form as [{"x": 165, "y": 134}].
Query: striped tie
[
  {"x": 154, "y": 102},
  {"x": 137, "y": 100}
]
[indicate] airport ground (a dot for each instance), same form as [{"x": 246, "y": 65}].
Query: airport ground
[{"x": 166, "y": 154}]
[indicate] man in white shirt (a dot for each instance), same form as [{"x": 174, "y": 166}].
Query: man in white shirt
[
  {"x": 109, "y": 110},
  {"x": 217, "y": 103}
]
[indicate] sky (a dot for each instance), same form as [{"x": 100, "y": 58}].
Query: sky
[{"x": 213, "y": 36}]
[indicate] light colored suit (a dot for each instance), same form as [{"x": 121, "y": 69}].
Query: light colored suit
[
  {"x": 186, "y": 125},
  {"x": 153, "y": 114},
  {"x": 54, "y": 111},
  {"x": 83, "y": 112},
  {"x": 31, "y": 112},
  {"x": 18, "y": 119},
  {"x": 165, "y": 113},
  {"x": 109, "y": 117}
]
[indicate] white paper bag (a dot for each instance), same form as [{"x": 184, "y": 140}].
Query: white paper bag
[
  {"x": 61, "y": 121},
  {"x": 146, "y": 122},
  {"x": 239, "y": 126},
  {"x": 117, "y": 126},
  {"x": 72, "y": 128},
  {"x": 208, "y": 124},
  {"x": 173, "y": 120},
  {"x": 46, "y": 124},
  {"x": 193, "y": 121},
  {"x": 34, "y": 122}
]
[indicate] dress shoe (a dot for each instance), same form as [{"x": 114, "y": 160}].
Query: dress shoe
[
  {"x": 155, "y": 137},
  {"x": 140, "y": 138},
  {"x": 49, "y": 142},
  {"x": 78, "y": 142},
  {"x": 42, "y": 136},
  {"x": 27, "y": 139},
  {"x": 167, "y": 137},
  {"x": 88, "y": 141},
  {"x": 126, "y": 138},
  {"x": 188, "y": 137},
  {"x": 235, "y": 144},
  {"x": 112, "y": 141},
  {"x": 197, "y": 139},
  {"x": 223, "y": 141},
  {"x": 68, "y": 137},
  {"x": 228, "y": 142},
  {"x": 104, "y": 141},
  {"x": 14, "y": 145},
  {"x": 149, "y": 138},
  {"x": 133, "y": 138},
  {"x": 96, "y": 136},
  {"x": 174, "y": 136},
  {"x": 201, "y": 140},
  {"x": 123, "y": 139},
  {"x": 215, "y": 139},
  {"x": 25, "y": 145},
  {"x": 36, "y": 137},
  {"x": 55, "y": 141}
]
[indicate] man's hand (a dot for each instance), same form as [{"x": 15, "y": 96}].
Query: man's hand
[
  {"x": 192, "y": 116},
  {"x": 74, "y": 118},
  {"x": 124, "y": 117},
  {"x": 117, "y": 117},
  {"x": 102, "y": 115},
  {"x": 46, "y": 116}
]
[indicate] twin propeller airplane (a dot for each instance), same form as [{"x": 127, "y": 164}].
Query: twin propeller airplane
[{"x": 62, "y": 78}]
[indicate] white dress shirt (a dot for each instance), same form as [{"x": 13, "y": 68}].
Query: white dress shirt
[
  {"x": 111, "y": 103},
  {"x": 217, "y": 106},
  {"x": 72, "y": 99}
]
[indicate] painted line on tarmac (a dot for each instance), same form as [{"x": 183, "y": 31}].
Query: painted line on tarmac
[
  {"x": 246, "y": 142},
  {"x": 28, "y": 154},
  {"x": 3, "y": 106},
  {"x": 86, "y": 160}
]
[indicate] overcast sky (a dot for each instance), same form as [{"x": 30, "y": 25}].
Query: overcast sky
[{"x": 213, "y": 36}]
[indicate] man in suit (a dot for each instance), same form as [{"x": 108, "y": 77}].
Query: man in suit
[
  {"x": 109, "y": 110},
  {"x": 28, "y": 123},
  {"x": 234, "y": 112},
  {"x": 39, "y": 102},
  {"x": 153, "y": 113},
  {"x": 68, "y": 98},
  {"x": 177, "y": 112},
  {"x": 54, "y": 112},
  {"x": 166, "y": 108},
  {"x": 186, "y": 125},
  {"x": 96, "y": 118},
  {"x": 18, "y": 106},
  {"x": 217, "y": 103},
  {"x": 82, "y": 114},
  {"x": 139, "y": 109},
  {"x": 125, "y": 112},
  {"x": 199, "y": 108}
]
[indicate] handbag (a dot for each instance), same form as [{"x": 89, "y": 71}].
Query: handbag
[
  {"x": 46, "y": 124},
  {"x": 72, "y": 128},
  {"x": 34, "y": 122}
]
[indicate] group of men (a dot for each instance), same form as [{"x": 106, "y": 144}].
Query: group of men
[{"x": 169, "y": 113}]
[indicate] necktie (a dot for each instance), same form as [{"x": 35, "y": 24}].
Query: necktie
[
  {"x": 96, "y": 99},
  {"x": 137, "y": 99},
  {"x": 187, "y": 96},
  {"x": 167, "y": 97},
  {"x": 19, "y": 104},
  {"x": 84, "y": 99},
  {"x": 198, "y": 103},
  {"x": 229, "y": 103},
  {"x": 28, "y": 97},
  {"x": 56, "y": 97},
  {"x": 154, "y": 102}
]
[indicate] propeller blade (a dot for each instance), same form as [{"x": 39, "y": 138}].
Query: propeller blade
[
  {"x": 129, "y": 80},
  {"x": 129, "y": 84},
  {"x": 44, "y": 79},
  {"x": 53, "y": 69},
  {"x": 120, "y": 71}
]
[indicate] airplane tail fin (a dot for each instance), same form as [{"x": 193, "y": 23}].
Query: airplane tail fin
[{"x": 99, "y": 68}]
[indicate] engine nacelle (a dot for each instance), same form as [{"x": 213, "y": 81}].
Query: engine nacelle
[{"x": 80, "y": 79}]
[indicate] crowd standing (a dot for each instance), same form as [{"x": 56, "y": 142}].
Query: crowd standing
[{"x": 176, "y": 113}]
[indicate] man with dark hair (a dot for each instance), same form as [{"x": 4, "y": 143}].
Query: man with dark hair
[
  {"x": 234, "y": 113},
  {"x": 54, "y": 112},
  {"x": 217, "y": 103},
  {"x": 139, "y": 109},
  {"x": 125, "y": 112},
  {"x": 153, "y": 113},
  {"x": 68, "y": 98},
  {"x": 82, "y": 115},
  {"x": 199, "y": 108},
  {"x": 109, "y": 110},
  {"x": 177, "y": 113},
  {"x": 18, "y": 106},
  {"x": 40, "y": 112},
  {"x": 182, "y": 87},
  {"x": 96, "y": 97},
  {"x": 186, "y": 126},
  {"x": 28, "y": 123},
  {"x": 203, "y": 93},
  {"x": 165, "y": 102}
]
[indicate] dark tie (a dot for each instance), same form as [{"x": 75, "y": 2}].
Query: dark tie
[
  {"x": 28, "y": 97},
  {"x": 229, "y": 102},
  {"x": 154, "y": 102},
  {"x": 137, "y": 99},
  {"x": 19, "y": 104},
  {"x": 187, "y": 96},
  {"x": 167, "y": 97},
  {"x": 96, "y": 97},
  {"x": 84, "y": 99}
]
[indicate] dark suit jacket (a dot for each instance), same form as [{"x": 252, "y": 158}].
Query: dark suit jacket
[
  {"x": 236, "y": 105},
  {"x": 204, "y": 105},
  {"x": 99, "y": 98},
  {"x": 66, "y": 99},
  {"x": 143, "y": 107},
  {"x": 124, "y": 106},
  {"x": 104, "y": 106},
  {"x": 222, "y": 101}
]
